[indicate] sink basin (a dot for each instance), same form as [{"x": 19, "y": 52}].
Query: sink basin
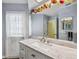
[
  {"x": 51, "y": 43},
  {"x": 59, "y": 42},
  {"x": 62, "y": 43},
  {"x": 40, "y": 45}
]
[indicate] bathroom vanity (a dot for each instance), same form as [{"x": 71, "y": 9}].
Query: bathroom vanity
[{"x": 35, "y": 49}]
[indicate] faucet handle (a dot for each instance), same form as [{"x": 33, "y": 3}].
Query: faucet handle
[{"x": 42, "y": 40}]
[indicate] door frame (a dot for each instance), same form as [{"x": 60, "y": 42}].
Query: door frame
[
  {"x": 57, "y": 19},
  {"x": 21, "y": 12}
]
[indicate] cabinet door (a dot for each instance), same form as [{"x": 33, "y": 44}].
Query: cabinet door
[
  {"x": 22, "y": 49},
  {"x": 23, "y": 52},
  {"x": 22, "y": 56},
  {"x": 35, "y": 55}
]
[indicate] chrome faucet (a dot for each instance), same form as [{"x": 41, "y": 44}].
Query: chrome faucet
[{"x": 44, "y": 40}]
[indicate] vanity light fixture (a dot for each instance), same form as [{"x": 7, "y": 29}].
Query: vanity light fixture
[
  {"x": 42, "y": 7},
  {"x": 62, "y": 1}
]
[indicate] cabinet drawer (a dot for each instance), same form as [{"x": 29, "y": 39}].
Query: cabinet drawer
[
  {"x": 23, "y": 52},
  {"x": 32, "y": 54}
]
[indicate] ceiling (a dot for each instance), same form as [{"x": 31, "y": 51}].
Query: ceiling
[
  {"x": 14, "y": 1},
  {"x": 32, "y": 3}
]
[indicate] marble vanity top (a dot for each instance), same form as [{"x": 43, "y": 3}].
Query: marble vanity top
[{"x": 55, "y": 51}]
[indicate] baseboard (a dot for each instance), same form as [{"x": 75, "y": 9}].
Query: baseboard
[{"x": 9, "y": 57}]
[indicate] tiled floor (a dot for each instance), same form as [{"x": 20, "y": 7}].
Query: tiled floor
[{"x": 10, "y": 58}]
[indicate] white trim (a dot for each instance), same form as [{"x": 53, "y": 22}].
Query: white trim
[{"x": 16, "y": 12}]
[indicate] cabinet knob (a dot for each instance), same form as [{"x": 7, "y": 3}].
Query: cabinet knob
[
  {"x": 22, "y": 48},
  {"x": 33, "y": 55}
]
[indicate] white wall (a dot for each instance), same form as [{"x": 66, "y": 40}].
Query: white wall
[{"x": 39, "y": 24}]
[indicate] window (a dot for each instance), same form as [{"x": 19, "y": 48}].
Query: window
[{"x": 15, "y": 24}]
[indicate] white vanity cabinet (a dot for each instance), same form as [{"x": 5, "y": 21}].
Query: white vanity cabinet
[
  {"x": 34, "y": 49},
  {"x": 28, "y": 53}
]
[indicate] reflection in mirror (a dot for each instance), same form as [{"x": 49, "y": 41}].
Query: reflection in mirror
[
  {"x": 67, "y": 26},
  {"x": 52, "y": 28},
  {"x": 67, "y": 23},
  {"x": 46, "y": 26}
]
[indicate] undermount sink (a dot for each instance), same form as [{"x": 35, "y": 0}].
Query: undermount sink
[
  {"x": 62, "y": 43},
  {"x": 51, "y": 43},
  {"x": 40, "y": 45}
]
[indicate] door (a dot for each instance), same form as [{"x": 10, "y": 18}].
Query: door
[
  {"x": 16, "y": 24},
  {"x": 52, "y": 28}
]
